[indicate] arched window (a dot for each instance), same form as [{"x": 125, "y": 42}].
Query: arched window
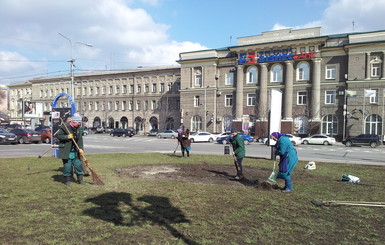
[
  {"x": 303, "y": 71},
  {"x": 300, "y": 125},
  {"x": 196, "y": 123},
  {"x": 252, "y": 75},
  {"x": 330, "y": 125},
  {"x": 276, "y": 73},
  {"x": 373, "y": 124}
]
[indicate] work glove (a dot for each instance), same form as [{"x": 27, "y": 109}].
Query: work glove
[
  {"x": 70, "y": 136},
  {"x": 81, "y": 152}
]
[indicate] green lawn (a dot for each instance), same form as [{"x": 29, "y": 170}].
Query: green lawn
[{"x": 37, "y": 208}]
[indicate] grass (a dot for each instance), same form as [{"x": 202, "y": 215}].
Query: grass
[{"x": 37, "y": 208}]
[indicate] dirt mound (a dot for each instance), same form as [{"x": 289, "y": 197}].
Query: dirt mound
[{"x": 202, "y": 173}]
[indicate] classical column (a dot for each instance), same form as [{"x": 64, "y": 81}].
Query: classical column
[
  {"x": 262, "y": 108},
  {"x": 288, "y": 97},
  {"x": 367, "y": 76},
  {"x": 316, "y": 90},
  {"x": 239, "y": 94}
]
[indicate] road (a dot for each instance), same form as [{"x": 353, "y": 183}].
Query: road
[{"x": 103, "y": 143}]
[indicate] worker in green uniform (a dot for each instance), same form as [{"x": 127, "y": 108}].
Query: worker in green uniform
[
  {"x": 68, "y": 151},
  {"x": 238, "y": 150}
]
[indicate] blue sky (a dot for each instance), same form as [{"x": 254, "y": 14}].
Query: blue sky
[{"x": 130, "y": 33}]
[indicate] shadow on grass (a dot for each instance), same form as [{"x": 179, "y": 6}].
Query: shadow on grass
[
  {"x": 244, "y": 181},
  {"x": 118, "y": 208}
]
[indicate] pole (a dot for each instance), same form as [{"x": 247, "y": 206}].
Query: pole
[
  {"x": 363, "y": 114},
  {"x": 205, "y": 110},
  {"x": 345, "y": 111},
  {"x": 382, "y": 122}
]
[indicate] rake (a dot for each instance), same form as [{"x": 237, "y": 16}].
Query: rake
[
  {"x": 349, "y": 203},
  {"x": 272, "y": 176},
  {"x": 40, "y": 156},
  {"x": 95, "y": 177}
]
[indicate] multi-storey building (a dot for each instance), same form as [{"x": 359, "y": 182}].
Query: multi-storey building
[
  {"x": 219, "y": 87},
  {"x": 331, "y": 84},
  {"x": 142, "y": 98}
]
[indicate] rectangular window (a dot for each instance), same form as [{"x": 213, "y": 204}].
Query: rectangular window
[
  {"x": 84, "y": 91},
  {"x": 330, "y": 72},
  {"x": 146, "y": 88},
  {"x": 251, "y": 99},
  {"x": 302, "y": 98},
  {"x": 162, "y": 87},
  {"x": 97, "y": 90},
  {"x": 109, "y": 105},
  {"x": 153, "y": 105},
  {"x": 376, "y": 70},
  {"x": 146, "y": 105},
  {"x": 124, "y": 104},
  {"x": 104, "y": 90},
  {"x": 96, "y": 105},
  {"x": 117, "y": 89},
  {"x": 116, "y": 105},
  {"x": 130, "y": 105},
  {"x": 330, "y": 97},
  {"x": 196, "y": 101},
  {"x": 124, "y": 89},
  {"x": 198, "y": 80},
  {"x": 138, "y": 105},
  {"x": 90, "y": 106},
  {"x": 228, "y": 100},
  {"x": 91, "y": 91},
  {"x": 374, "y": 97},
  {"x": 139, "y": 89},
  {"x": 111, "y": 90},
  {"x": 153, "y": 88},
  {"x": 229, "y": 78}
]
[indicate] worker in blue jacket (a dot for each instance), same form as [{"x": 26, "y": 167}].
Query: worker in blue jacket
[{"x": 288, "y": 159}]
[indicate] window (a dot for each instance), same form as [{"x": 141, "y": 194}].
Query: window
[
  {"x": 228, "y": 100},
  {"x": 330, "y": 97},
  {"x": 130, "y": 105},
  {"x": 251, "y": 99},
  {"x": 104, "y": 90},
  {"x": 124, "y": 104},
  {"x": 111, "y": 90},
  {"x": 139, "y": 89},
  {"x": 84, "y": 91},
  {"x": 153, "y": 105},
  {"x": 146, "y": 105},
  {"x": 276, "y": 73},
  {"x": 124, "y": 89},
  {"x": 90, "y": 106},
  {"x": 302, "y": 98},
  {"x": 375, "y": 69},
  {"x": 373, "y": 124},
  {"x": 303, "y": 72},
  {"x": 116, "y": 105},
  {"x": 330, "y": 125},
  {"x": 96, "y": 105},
  {"x": 373, "y": 99},
  {"x": 137, "y": 105},
  {"x": 229, "y": 78},
  {"x": 109, "y": 105},
  {"x": 117, "y": 89},
  {"x": 131, "y": 89},
  {"x": 251, "y": 76},
  {"x": 198, "y": 78},
  {"x": 97, "y": 90},
  {"x": 196, "y": 123},
  {"x": 153, "y": 88},
  {"x": 301, "y": 125},
  {"x": 162, "y": 87},
  {"x": 169, "y": 86},
  {"x": 330, "y": 72},
  {"x": 91, "y": 91},
  {"x": 146, "y": 88},
  {"x": 196, "y": 101}
]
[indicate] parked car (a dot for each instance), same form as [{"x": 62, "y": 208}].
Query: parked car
[
  {"x": 202, "y": 137},
  {"x": 153, "y": 132},
  {"x": 7, "y": 137},
  {"x": 27, "y": 136},
  {"x": 45, "y": 135},
  {"x": 167, "y": 134},
  {"x": 42, "y": 127},
  {"x": 124, "y": 132},
  {"x": 294, "y": 139},
  {"x": 221, "y": 135},
  {"x": 262, "y": 139},
  {"x": 226, "y": 139},
  {"x": 371, "y": 140},
  {"x": 100, "y": 130},
  {"x": 319, "y": 139}
]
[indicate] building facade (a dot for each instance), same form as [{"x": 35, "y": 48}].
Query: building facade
[
  {"x": 330, "y": 84},
  {"x": 222, "y": 87},
  {"x": 142, "y": 98}
]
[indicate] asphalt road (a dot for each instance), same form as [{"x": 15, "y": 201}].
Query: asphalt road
[{"x": 103, "y": 143}]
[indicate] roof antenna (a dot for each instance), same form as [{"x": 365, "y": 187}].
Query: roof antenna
[
  {"x": 353, "y": 25},
  {"x": 231, "y": 38}
]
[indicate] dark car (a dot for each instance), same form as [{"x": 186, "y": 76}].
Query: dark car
[
  {"x": 371, "y": 140},
  {"x": 124, "y": 132},
  {"x": 7, "y": 137},
  {"x": 27, "y": 135},
  {"x": 226, "y": 139},
  {"x": 100, "y": 130},
  {"x": 42, "y": 127},
  {"x": 45, "y": 135}
]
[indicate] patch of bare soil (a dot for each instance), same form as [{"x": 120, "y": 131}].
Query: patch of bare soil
[{"x": 202, "y": 173}]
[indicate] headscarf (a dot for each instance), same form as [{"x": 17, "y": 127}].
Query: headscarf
[
  {"x": 277, "y": 135},
  {"x": 180, "y": 131}
]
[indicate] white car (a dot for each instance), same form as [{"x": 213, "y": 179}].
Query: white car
[
  {"x": 294, "y": 139},
  {"x": 221, "y": 135},
  {"x": 319, "y": 139},
  {"x": 202, "y": 137}
]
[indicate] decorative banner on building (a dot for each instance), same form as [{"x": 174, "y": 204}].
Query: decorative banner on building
[
  {"x": 33, "y": 109},
  {"x": 273, "y": 56},
  {"x": 351, "y": 94},
  {"x": 369, "y": 93},
  {"x": 245, "y": 124}
]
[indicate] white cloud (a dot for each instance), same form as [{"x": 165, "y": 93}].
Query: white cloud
[{"x": 115, "y": 29}]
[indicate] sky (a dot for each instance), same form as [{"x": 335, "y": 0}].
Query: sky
[{"x": 39, "y": 37}]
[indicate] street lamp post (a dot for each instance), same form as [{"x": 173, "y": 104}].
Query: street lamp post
[{"x": 72, "y": 61}]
